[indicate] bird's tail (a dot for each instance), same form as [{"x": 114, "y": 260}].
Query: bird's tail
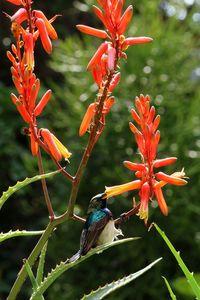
[{"x": 76, "y": 256}]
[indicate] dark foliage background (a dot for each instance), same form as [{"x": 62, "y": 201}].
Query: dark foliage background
[{"x": 168, "y": 70}]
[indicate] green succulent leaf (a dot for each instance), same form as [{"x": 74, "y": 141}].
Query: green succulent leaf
[
  {"x": 20, "y": 184},
  {"x": 189, "y": 275},
  {"x": 64, "y": 266},
  {"x": 30, "y": 274},
  {"x": 11, "y": 234},
  {"x": 173, "y": 297},
  {"x": 102, "y": 292},
  {"x": 32, "y": 278},
  {"x": 40, "y": 269}
]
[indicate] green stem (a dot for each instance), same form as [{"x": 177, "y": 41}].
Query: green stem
[
  {"x": 189, "y": 275},
  {"x": 33, "y": 256}
]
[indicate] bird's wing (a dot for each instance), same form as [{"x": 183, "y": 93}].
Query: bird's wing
[{"x": 90, "y": 235}]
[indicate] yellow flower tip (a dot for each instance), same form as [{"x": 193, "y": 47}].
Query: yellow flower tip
[
  {"x": 64, "y": 151},
  {"x": 180, "y": 174},
  {"x": 67, "y": 156},
  {"x": 143, "y": 215},
  {"x": 122, "y": 188}
]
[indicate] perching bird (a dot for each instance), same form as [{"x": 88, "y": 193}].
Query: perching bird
[{"x": 99, "y": 227}]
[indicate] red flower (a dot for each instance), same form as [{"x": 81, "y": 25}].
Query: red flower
[
  {"x": 16, "y": 2},
  {"x": 20, "y": 16},
  {"x": 116, "y": 23},
  {"x": 46, "y": 42},
  {"x": 104, "y": 64},
  {"x": 149, "y": 181},
  {"x": 88, "y": 117},
  {"x": 24, "y": 79}
]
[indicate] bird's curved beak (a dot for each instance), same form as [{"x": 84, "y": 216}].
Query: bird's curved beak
[{"x": 104, "y": 196}]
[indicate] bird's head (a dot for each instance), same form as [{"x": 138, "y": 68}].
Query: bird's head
[{"x": 97, "y": 202}]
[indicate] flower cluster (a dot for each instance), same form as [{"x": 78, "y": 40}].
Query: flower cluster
[
  {"x": 27, "y": 26},
  {"x": 149, "y": 182},
  {"x": 105, "y": 62}
]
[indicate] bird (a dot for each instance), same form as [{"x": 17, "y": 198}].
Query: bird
[{"x": 99, "y": 227}]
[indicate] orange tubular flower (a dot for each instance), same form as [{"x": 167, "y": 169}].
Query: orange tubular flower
[
  {"x": 89, "y": 115},
  {"x": 161, "y": 201},
  {"x": 50, "y": 29},
  {"x": 87, "y": 119},
  {"x": 27, "y": 84},
  {"x": 21, "y": 108},
  {"x": 16, "y": 2},
  {"x": 64, "y": 151},
  {"x": 164, "y": 162},
  {"x": 133, "y": 166},
  {"x": 116, "y": 23},
  {"x": 136, "y": 41},
  {"x": 170, "y": 179},
  {"x": 105, "y": 62},
  {"x": 57, "y": 149},
  {"x": 35, "y": 87},
  {"x": 20, "y": 16},
  {"x": 46, "y": 42},
  {"x": 144, "y": 201},
  {"x": 122, "y": 188},
  {"x": 125, "y": 19},
  {"x": 108, "y": 104},
  {"x": 43, "y": 102},
  {"x": 34, "y": 145},
  {"x": 29, "y": 51},
  {"x": 114, "y": 82},
  {"x": 49, "y": 141},
  {"x": 92, "y": 31},
  {"x": 147, "y": 139},
  {"x": 97, "y": 56}
]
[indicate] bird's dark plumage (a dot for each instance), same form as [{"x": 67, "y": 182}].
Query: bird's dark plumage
[
  {"x": 94, "y": 225},
  {"x": 99, "y": 219}
]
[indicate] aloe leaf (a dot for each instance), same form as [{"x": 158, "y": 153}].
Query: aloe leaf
[
  {"x": 40, "y": 269},
  {"x": 102, "y": 292},
  {"x": 64, "y": 266},
  {"x": 20, "y": 184},
  {"x": 30, "y": 274},
  {"x": 11, "y": 234},
  {"x": 189, "y": 275},
  {"x": 32, "y": 278},
  {"x": 173, "y": 297}
]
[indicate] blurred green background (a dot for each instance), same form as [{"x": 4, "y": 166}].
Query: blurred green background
[{"x": 169, "y": 71}]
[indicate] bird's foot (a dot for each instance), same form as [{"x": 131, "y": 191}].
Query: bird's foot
[{"x": 123, "y": 218}]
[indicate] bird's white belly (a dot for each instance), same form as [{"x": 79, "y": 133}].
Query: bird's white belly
[{"x": 109, "y": 233}]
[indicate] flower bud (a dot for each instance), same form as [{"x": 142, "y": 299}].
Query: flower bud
[
  {"x": 87, "y": 119},
  {"x": 46, "y": 42},
  {"x": 43, "y": 102},
  {"x": 50, "y": 29},
  {"x": 20, "y": 16},
  {"x": 92, "y": 31},
  {"x": 97, "y": 56}
]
